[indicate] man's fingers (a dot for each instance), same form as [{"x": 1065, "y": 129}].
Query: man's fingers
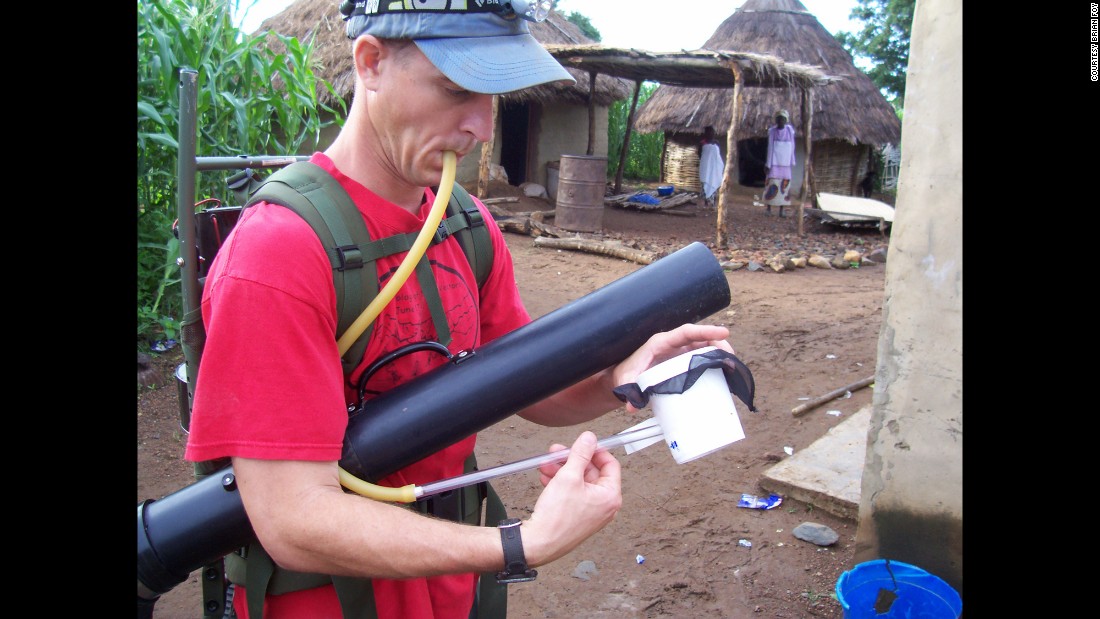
[
  {"x": 605, "y": 466},
  {"x": 549, "y": 469},
  {"x": 580, "y": 455},
  {"x": 668, "y": 344}
]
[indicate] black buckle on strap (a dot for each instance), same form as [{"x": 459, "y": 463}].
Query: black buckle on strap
[
  {"x": 446, "y": 505},
  {"x": 441, "y": 233},
  {"x": 350, "y": 256},
  {"x": 473, "y": 217},
  {"x": 454, "y": 505}
]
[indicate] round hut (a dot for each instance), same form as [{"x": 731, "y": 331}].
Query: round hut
[
  {"x": 851, "y": 118},
  {"x": 535, "y": 126}
]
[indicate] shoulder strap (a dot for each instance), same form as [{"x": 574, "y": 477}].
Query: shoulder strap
[
  {"x": 468, "y": 225},
  {"x": 318, "y": 198}
]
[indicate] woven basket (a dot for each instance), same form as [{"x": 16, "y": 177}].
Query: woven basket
[
  {"x": 839, "y": 166},
  {"x": 681, "y": 163}
]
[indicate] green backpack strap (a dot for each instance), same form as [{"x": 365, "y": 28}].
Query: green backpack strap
[
  {"x": 328, "y": 209},
  {"x": 467, "y": 224},
  {"x": 318, "y": 198},
  {"x": 492, "y": 597}
]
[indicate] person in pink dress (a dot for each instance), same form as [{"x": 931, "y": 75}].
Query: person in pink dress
[{"x": 779, "y": 164}]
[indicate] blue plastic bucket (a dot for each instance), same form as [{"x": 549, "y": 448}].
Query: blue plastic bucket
[{"x": 885, "y": 588}]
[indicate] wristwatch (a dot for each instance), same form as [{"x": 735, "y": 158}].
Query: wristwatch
[{"x": 515, "y": 564}]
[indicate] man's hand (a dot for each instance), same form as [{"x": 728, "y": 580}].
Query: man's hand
[
  {"x": 582, "y": 496},
  {"x": 666, "y": 345}
]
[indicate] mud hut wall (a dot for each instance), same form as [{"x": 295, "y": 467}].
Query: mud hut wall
[
  {"x": 467, "y": 171},
  {"x": 839, "y": 166},
  {"x": 564, "y": 131},
  {"x": 680, "y": 166}
]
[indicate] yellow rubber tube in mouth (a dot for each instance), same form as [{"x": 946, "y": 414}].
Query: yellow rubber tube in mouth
[{"x": 404, "y": 494}]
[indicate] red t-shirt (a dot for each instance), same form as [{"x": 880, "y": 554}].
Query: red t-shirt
[{"x": 270, "y": 384}]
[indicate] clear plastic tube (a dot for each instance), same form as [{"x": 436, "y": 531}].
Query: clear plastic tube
[{"x": 617, "y": 440}]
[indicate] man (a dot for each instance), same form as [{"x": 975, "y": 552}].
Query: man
[
  {"x": 779, "y": 163},
  {"x": 270, "y": 393}
]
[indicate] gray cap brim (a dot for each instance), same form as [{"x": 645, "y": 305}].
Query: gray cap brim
[{"x": 494, "y": 65}]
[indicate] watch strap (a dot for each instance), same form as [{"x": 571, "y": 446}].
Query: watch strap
[{"x": 515, "y": 563}]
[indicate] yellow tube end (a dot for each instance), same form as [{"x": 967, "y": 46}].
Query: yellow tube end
[{"x": 404, "y": 494}]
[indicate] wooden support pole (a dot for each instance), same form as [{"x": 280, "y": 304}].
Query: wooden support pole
[
  {"x": 807, "y": 165},
  {"x": 664, "y": 158},
  {"x": 857, "y": 170},
  {"x": 803, "y": 408},
  {"x": 729, "y": 175},
  {"x": 626, "y": 137},
  {"x": 487, "y": 155},
  {"x": 591, "y": 113}
]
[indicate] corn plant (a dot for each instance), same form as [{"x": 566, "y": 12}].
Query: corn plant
[
  {"x": 250, "y": 101},
  {"x": 643, "y": 160}
]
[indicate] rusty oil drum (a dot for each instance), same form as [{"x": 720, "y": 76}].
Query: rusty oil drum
[{"x": 582, "y": 182}]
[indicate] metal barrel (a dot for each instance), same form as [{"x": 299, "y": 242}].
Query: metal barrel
[{"x": 582, "y": 182}]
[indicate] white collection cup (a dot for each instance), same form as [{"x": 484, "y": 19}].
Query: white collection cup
[{"x": 699, "y": 421}]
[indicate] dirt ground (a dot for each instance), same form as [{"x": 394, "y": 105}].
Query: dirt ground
[{"x": 803, "y": 333}]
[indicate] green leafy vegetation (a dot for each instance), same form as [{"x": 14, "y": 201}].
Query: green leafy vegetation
[
  {"x": 643, "y": 159},
  {"x": 884, "y": 42},
  {"x": 250, "y": 101},
  {"x": 585, "y": 25}
]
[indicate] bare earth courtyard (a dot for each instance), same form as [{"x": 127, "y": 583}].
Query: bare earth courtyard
[{"x": 680, "y": 547}]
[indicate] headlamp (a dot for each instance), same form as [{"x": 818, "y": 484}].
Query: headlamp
[{"x": 531, "y": 10}]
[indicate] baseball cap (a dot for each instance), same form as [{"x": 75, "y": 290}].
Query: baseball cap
[{"x": 484, "y": 46}]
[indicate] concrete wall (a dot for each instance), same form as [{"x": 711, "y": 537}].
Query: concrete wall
[{"x": 911, "y": 494}]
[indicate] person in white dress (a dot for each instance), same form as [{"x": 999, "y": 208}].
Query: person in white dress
[{"x": 711, "y": 166}]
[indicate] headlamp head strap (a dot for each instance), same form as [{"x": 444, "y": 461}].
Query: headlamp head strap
[{"x": 531, "y": 10}]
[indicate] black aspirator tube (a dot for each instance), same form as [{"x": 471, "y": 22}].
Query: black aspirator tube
[
  {"x": 199, "y": 524},
  {"x": 477, "y": 389}
]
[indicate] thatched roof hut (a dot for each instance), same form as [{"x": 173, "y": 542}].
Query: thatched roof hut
[
  {"x": 304, "y": 19},
  {"x": 532, "y": 110},
  {"x": 850, "y": 115}
]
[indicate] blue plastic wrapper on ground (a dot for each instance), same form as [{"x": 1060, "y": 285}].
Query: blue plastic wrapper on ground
[{"x": 754, "y": 502}]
